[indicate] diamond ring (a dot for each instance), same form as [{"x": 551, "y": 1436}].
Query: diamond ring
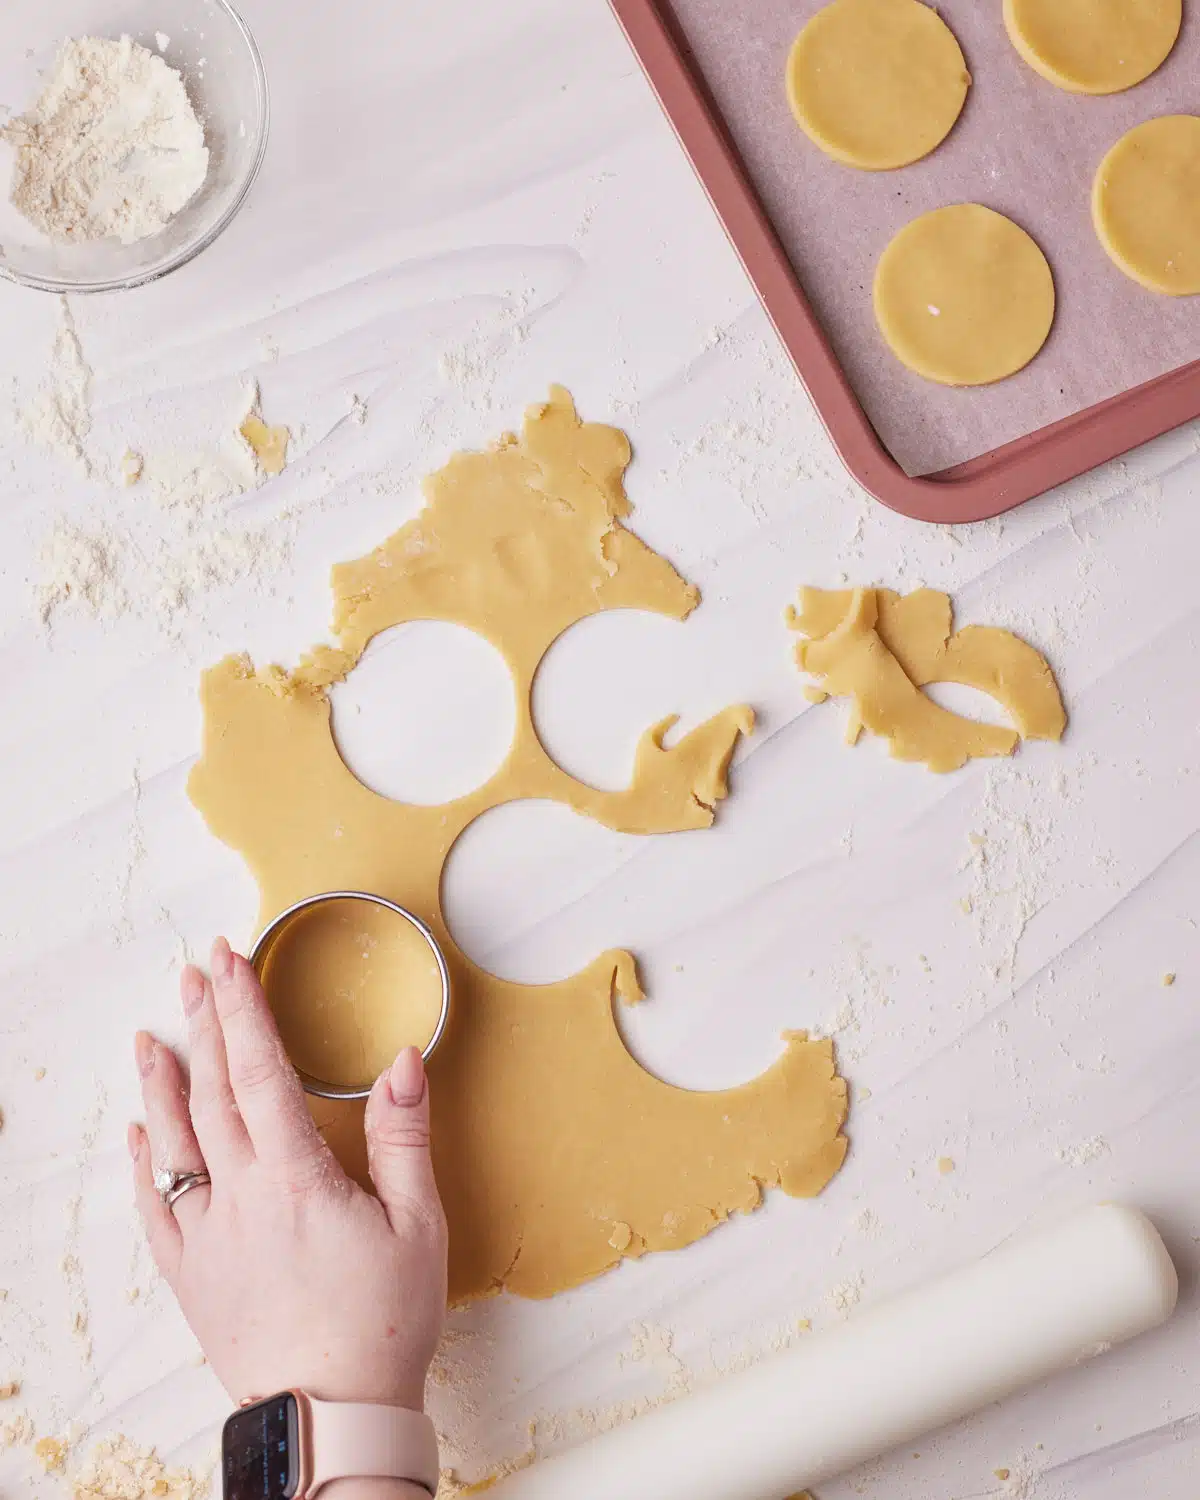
[{"x": 171, "y": 1185}]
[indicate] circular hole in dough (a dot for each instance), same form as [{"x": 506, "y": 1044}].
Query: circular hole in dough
[
  {"x": 428, "y": 714},
  {"x": 1094, "y": 46},
  {"x": 1146, "y": 204},
  {"x": 877, "y": 84},
  {"x": 963, "y": 296}
]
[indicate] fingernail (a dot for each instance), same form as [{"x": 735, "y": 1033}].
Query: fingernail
[
  {"x": 222, "y": 959},
  {"x": 146, "y": 1050},
  {"x": 133, "y": 1139},
  {"x": 191, "y": 990},
  {"x": 406, "y": 1081}
]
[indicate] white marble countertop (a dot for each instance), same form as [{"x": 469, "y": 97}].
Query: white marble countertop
[{"x": 461, "y": 205}]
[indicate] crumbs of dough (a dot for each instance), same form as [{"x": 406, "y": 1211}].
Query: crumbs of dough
[
  {"x": 17, "y": 1431},
  {"x": 120, "y": 1469},
  {"x": 270, "y": 444},
  {"x": 51, "y": 1453}
]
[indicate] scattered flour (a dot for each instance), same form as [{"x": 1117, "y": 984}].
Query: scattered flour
[
  {"x": 119, "y": 1469},
  {"x": 845, "y": 1297},
  {"x": 112, "y": 148},
  {"x": 116, "y": 1469},
  {"x": 1084, "y": 1153},
  {"x": 1024, "y": 1479},
  {"x": 17, "y": 1432},
  {"x": 167, "y": 531},
  {"x": 59, "y": 418}
]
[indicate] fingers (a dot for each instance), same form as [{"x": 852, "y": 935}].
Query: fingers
[
  {"x": 218, "y": 1124},
  {"x": 265, "y": 1087},
  {"x": 161, "y": 1226},
  {"x": 397, "y": 1126},
  {"x": 173, "y": 1142}
]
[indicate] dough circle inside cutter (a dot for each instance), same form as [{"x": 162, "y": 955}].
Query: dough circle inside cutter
[
  {"x": 877, "y": 84},
  {"x": 964, "y": 296},
  {"x": 1146, "y": 204},
  {"x": 1094, "y": 46},
  {"x": 351, "y": 982}
]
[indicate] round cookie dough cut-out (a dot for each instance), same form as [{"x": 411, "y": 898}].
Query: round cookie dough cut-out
[
  {"x": 877, "y": 84},
  {"x": 1094, "y": 46},
  {"x": 963, "y": 296},
  {"x": 1146, "y": 204}
]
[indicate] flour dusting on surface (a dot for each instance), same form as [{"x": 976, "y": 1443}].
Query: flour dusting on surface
[
  {"x": 166, "y": 530},
  {"x": 1084, "y": 1153},
  {"x": 59, "y": 418}
]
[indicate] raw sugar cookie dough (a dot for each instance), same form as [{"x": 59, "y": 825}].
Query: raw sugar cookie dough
[
  {"x": 557, "y": 1153},
  {"x": 963, "y": 296},
  {"x": 877, "y": 84},
  {"x": 1094, "y": 46},
  {"x": 1146, "y": 204},
  {"x": 879, "y": 649}
]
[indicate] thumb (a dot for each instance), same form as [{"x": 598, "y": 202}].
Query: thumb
[{"x": 397, "y": 1126}]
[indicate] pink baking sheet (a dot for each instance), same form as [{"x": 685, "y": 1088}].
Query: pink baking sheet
[{"x": 1023, "y": 147}]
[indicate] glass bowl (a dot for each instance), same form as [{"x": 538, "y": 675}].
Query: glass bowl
[{"x": 210, "y": 44}]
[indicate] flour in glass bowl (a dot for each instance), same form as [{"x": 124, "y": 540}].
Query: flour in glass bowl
[{"x": 111, "y": 149}]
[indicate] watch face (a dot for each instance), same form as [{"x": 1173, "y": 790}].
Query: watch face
[{"x": 260, "y": 1451}]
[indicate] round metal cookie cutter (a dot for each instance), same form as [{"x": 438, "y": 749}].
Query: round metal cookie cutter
[{"x": 274, "y": 930}]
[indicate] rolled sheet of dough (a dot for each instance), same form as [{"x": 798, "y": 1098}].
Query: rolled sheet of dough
[
  {"x": 877, "y": 84},
  {"x": 1146, "y": 204},
  {"x": 1094, "y": 46},
  {"x": 557, "y": 1154},
  {"x": 963, "y": 296}
]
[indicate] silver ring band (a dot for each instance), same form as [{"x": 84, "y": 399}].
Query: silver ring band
[
  {"x": 171, "y": 1185},
  {"x": 273, "y": 930}
]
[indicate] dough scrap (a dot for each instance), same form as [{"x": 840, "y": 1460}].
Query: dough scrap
[
  {"x": 964, "y": 296},
  {"x": 1094, "y": 46},
  {"x": 1146, "y": 204},
  {"x": 877, "y": 84},
  {"x": 268, "y": 444},
  {"x": 548, "y": 1134},
  {"x": 880, "y": 648}
]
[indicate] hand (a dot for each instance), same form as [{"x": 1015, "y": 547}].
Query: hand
[{"x": 289, "y": 1274}]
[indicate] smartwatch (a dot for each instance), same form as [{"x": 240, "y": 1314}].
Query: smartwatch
[{"x": 290, "y": 1445}]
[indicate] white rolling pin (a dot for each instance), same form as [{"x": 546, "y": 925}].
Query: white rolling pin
[{"x": 1038, "y": 1303}]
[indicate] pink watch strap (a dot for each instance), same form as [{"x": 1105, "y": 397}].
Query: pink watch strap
[{"x": 352, "y": 1440}]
